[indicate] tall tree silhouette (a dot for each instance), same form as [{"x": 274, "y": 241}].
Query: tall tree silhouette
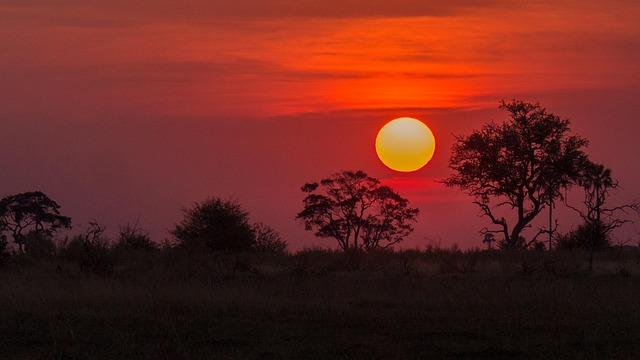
[
  {"x": 357, "y": 211},
  {"x": 521, "y": 164},
  {"x": 30, "y": 212}
]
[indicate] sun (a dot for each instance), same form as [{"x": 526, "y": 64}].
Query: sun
[{"x": 405, "y": 144}]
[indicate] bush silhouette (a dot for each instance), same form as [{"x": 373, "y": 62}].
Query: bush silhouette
[
  {"x": 90, "y": 251},
  {"x": 586, "y": 236},
  {"x": 39, "y": 245},
  {"x": 268, "y": 240},
  {"x": 215, "y": 225},
  {"x": 131, "y": 237}
]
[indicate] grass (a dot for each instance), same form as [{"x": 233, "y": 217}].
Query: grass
[{"x": 318, "y": 305}]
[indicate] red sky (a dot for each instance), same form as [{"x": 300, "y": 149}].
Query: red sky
[{"x": 123, "y": 110}]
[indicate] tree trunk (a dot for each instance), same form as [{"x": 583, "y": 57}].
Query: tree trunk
[
  {"x": 515, "y": 234},
  {"x": 519, "y": 226},
  {"x": 550, "y": 225},
  {"x": 595, "y": 231},
  {"x": 18, "y": 240},
  {"x": 592, "y": 247}
]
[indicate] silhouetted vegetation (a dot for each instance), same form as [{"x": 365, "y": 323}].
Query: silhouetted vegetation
[
  {"x": 226, "y": 287},
  {"x": 600, "y": 219},
  {"x": 4, "y": 249},
  {"x": 215, "y": 225},
  {"x": 204, "y": 296},
  {"x": 91, "y": 250},
  {"x": 39, "y": 245},
  {"x": 522, "y": 164},
  {"x": 222, "y": 225},
  {"x": 585, "y": 236},
  {"x": 357, "y": 211},
  {"x": 268, "y": 240},
  {"x": 324, "y": 304},
  {"x": 30, "y": 214},
  {"x": 132, "y": 237}
]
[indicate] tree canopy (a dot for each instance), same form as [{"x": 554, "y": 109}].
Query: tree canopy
[
  {"x": 521, "y": 164},
  {"x": 223, "y": 225},
  {"x": 357, "y": 211},
  {"x": 30, "y": 212},
  {"x": 216, "y": 224},
  {"x": 599, "y": 218}
]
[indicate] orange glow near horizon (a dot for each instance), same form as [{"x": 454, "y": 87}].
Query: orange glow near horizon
[
  {"x": 165, "y": 102},
  {"x": 405, "y": 144}
]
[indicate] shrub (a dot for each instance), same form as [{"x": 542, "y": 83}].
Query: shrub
[
  {"x": 133, "y": 238},
  {"x": 268, "y": 240},
  {"x": 90, "y": 251},
  {"x": 39, "y": 245},
  {"x": 215, "y": 225},
  {"x": 584, "y": 237}
]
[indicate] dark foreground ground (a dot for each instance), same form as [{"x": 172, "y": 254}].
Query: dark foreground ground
[{"x": 405, "y": 308}]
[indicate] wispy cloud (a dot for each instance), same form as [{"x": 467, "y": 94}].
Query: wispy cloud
[
  {"x": 198, "y": 58},
  {"x": 124, "y": 12}
]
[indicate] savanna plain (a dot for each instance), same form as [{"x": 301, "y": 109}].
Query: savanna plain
[{"x": 320, "y": 304}]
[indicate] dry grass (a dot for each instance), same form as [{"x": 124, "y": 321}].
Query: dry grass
[{"x": 319, "y": 305}]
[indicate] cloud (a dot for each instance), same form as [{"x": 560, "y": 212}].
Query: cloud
[
  {"x": 107, "y": 13},
  {"x": 366, "y": 114}
]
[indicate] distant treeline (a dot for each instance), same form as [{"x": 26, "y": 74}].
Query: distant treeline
[{"x": 521, "y": 166}]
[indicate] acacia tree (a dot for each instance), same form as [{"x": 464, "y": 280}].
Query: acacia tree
[
  {"x": 522, "y": 165},
  {"x": 357, "y": 211},
  {"x": 30, "y": 213}
]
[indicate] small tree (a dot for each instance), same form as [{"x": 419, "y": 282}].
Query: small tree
[
  {"x": 30, "y": 213},
  {"x": 488, "y": 239},
  {"x": 599, "y": 220},
  {"x": 596, "y": 182},
  {"x": 217, "y": 225},
  {"x": 522, "y": 164},
  {"x": 357, "y": 211}
]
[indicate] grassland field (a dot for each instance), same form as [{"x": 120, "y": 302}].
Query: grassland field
[{"x": 326, "y": 305}]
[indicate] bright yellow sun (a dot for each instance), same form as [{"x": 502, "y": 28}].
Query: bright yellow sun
[{"x": 405, "y": 144}]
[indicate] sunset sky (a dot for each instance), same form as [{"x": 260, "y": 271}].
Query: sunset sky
[{"x": 123, "y": 110}]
